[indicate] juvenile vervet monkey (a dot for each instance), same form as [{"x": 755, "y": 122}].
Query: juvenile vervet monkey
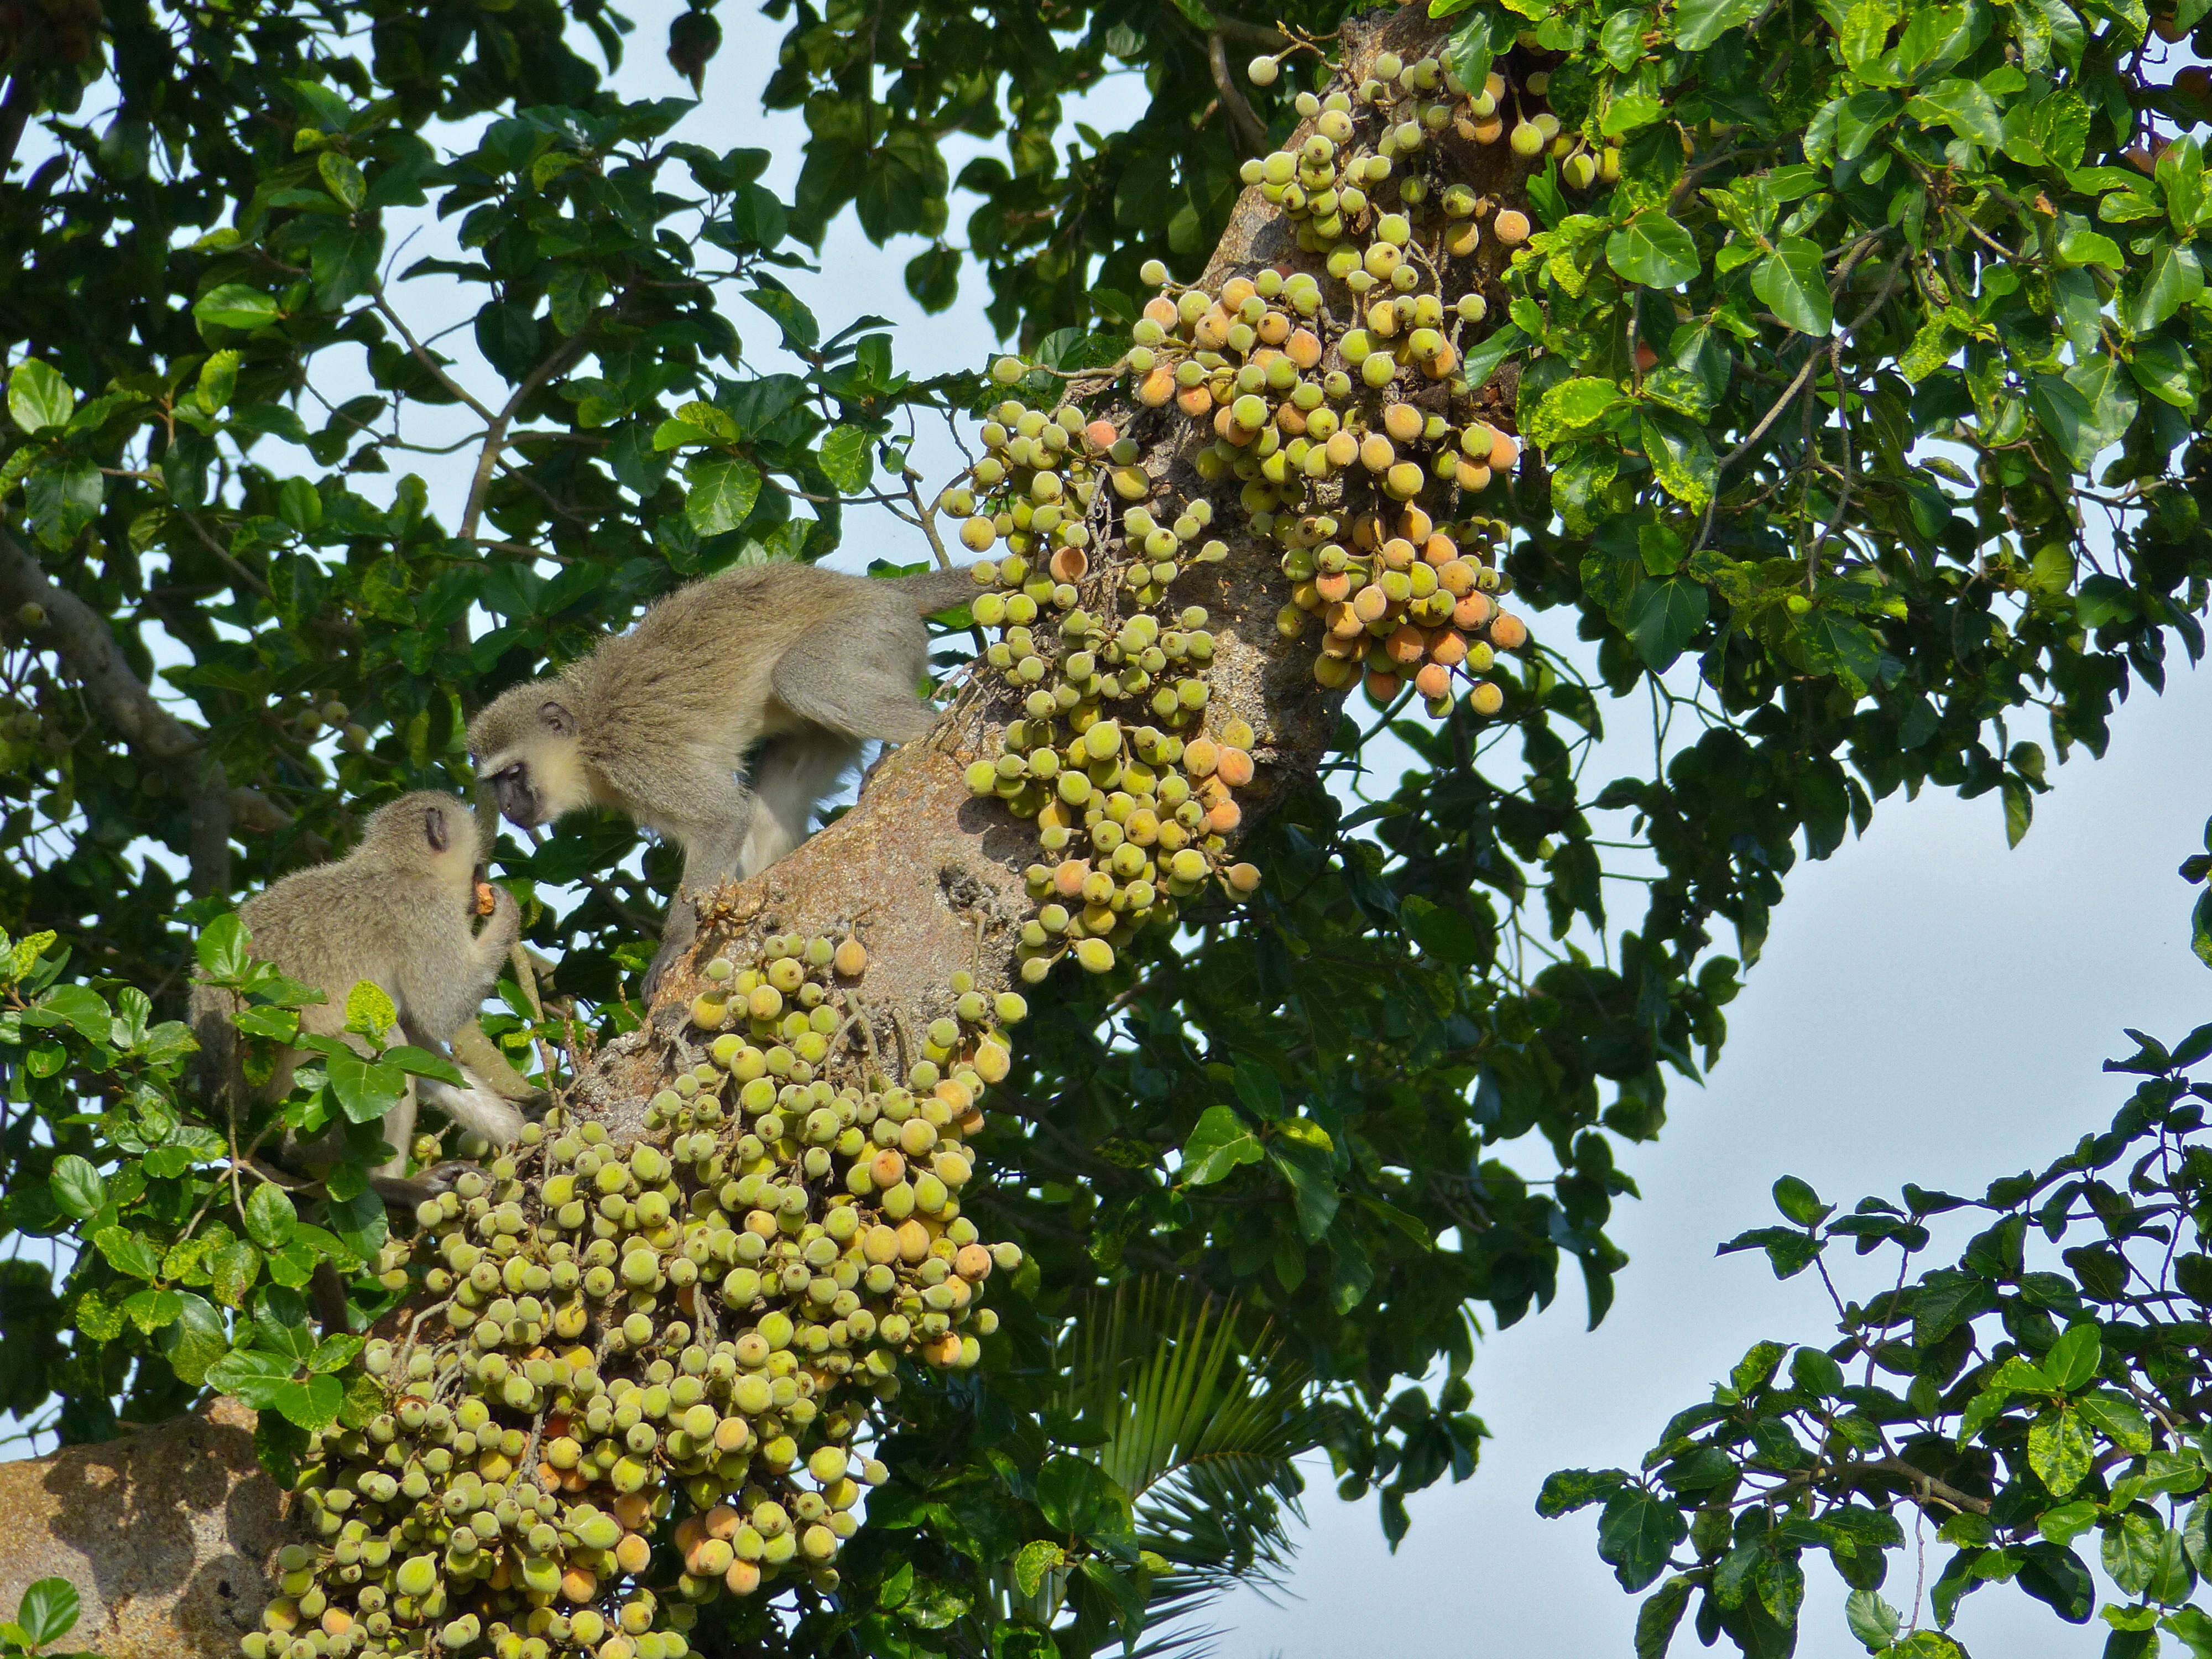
[
  {"x": 657, "y": 722},
  {"x": 398, "y": 911}
]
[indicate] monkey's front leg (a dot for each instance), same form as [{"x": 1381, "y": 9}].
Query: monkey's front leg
[{"x": 709, "y": 860}]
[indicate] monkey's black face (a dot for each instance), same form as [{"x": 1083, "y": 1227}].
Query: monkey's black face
[{"x": 518, "y": 802}]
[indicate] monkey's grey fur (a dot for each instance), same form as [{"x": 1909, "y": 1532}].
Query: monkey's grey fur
[
  {"x": 657, "y": 722},
  {"x": 400, "y": 912}
]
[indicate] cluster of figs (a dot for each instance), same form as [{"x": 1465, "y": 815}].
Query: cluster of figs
[
  {"x": 693, "y": 1328},
  {"x": 1335, "y": 422}
]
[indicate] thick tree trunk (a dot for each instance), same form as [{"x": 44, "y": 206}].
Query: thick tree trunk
[{"x": 169, "y": 1534}]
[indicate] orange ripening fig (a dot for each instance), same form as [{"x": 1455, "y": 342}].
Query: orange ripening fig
[{"x": 487, "y": 901}]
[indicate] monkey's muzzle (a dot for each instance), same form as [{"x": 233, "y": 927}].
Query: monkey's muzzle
[{"x": 517, "y": 801}]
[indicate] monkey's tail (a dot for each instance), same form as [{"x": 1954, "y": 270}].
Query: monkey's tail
[{"x": 933, "y": 591}]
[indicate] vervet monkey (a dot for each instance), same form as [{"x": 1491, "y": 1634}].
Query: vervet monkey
[
  {"x": 398, "y": 911},
  {"x": 657, "y": 722}
]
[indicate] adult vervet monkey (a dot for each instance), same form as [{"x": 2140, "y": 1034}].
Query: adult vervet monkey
[{"x": 657, "y": 723}]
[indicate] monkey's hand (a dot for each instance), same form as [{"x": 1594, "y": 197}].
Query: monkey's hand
[
  {"x": 502, "y": 919},
  {"x": 408, "y": 1193}
]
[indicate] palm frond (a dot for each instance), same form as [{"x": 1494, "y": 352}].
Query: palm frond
[{"x": 1199, "y": 1426}]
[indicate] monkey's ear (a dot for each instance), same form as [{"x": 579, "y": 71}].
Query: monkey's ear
[
  {"x": 556, "y": 720},
  {"x": 434, "y": 828}
]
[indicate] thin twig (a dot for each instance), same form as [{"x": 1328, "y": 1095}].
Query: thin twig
[
  {"x": 1249, "y": 131},
  {"x": 571, "y": 351}
]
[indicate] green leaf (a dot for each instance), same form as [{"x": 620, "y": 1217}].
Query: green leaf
[
  {"x": 1219, "y": 1144},
  {"x": 1565, "y": 1490},
  {"x": 2072, "y": 1360},
  {"x": 366, "y": 1089},
  {"x": 2173, "y": 278},
  {"x": 421, "y": 1062},
  {"x": 311, "y": 1404},
  {"x": 2192, "y": 1627},
  {"x": 1636, "y": 1534},
  {"x": 1651, "y": 249},
  {"x": 221, "y": 948},
  {"x": 1077, "y": 1498},
  {"x": 233, "y": 1271},
  {"x": 1756, "y": 1369},
  {"x": 77, "y": 1187},
  {"x": 723, "y": 489},
  {"x": 149, "y": 1311},
  {"x": 2118, "y": 1418},
  {"x": 234, "y": 306},
  {"x": 342, "y": 262},
  {"x": 573, "y": 297},
  {"x": 2067, "y": 417},
  {"x": 341, "y": 178},
  {"x": 1682, "y": 458},
  {"x": 1260, "y": 1089},
  {"x": 932, "y": 278},
  {"x": 1872, "y": 1620},
  {"x": 1663, "y": 616},
  {"x": 1312, "y": 1177},
  {"x": 128, "y": 1252},
  {"x": 281, "y": 1325},
  {"x": 78, "y": 1006},
  {"x": 98, "y": 1315},
  {"x": 1444, "y": 933},
  {"x": 17, "y": 962},
  {"x": 1484, "y": 356},
  {"x": 2067, "y": 1521},
  {"x": 2164, "y": 368},
  {"x": 1655, "y": 1620},
  {"x": 1963, "y": 106},
  {"x": 48, "y": 1610},
  {"x": 1039, "y": 1558},
  {"x": 1836, "y": 644},
  {"x": 1569, "y": 407},
  {"x": 1800, "y": 1203},
  {"x": 1699, "y": 23},
  {"x": 2059, "y": 1450},
  {"x": 64, "y": 499},
  {"x": 217, "y": 380},
  {"x": 1792, "y": 282},
  {"x": 845, "y": 459},
  {"x": 278, "y": 1446},
  {"x": 269, "y": 1217},
  {"x": 2109, "y": 391},
  {"x": 801, "y": 333},
  {"x": 38, "y": 397},
  {"x": 368, "y": 1010},
  {"x": 2081, "y": 246},
  {"x": 1677, "y": 389},
  {"x": 196, "y": 1340}
]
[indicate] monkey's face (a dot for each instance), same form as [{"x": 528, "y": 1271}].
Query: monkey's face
[{"x": 524, "y": 750}]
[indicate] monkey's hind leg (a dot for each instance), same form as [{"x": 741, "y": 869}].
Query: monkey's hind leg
[
  {"x": 859, "y": 677},
  {"x": 797, "y": 772}
]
